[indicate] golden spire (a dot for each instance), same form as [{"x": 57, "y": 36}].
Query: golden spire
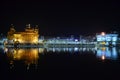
[{"x": 12, "y": 28}]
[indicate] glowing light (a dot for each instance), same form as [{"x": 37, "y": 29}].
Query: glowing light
[
  {"x": 103, "y": 33},
  {"x": 108, "y": 38},
  {"x": 103, "y": 57},
  {"x": 114, "y": 39},
  {"x": 76, "y": 40},
  {"x": 103, "y": 48},
  {"x": 35, "y": 40},
  {"x": 99, "y": 39},
  {"x": 41, "y": 50},
  {"x": 103, "y": 43},
  {"x": 30, "y": 35},
  {"x": 6, "y": 50},
  {"x": 75, "y": 49},
  {"x": 15, "y": 40}
]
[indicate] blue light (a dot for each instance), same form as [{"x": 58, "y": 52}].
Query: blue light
[
  {"x": 108, "y": 38},
  {"x": 114, "y": 38},
  {"x": 76, "y": 40},
  {"x": 108, "y": 53},
  {"x": 98, "y": 38},
  {"x": 114, "y": 53},
  {"x": 99, "y": 53},
  {"x": 114, "y": 43},
  {"x": 107, "y": 43},
  {"x": 103, "y": 38},
  {"x": 76, "y": 49}
]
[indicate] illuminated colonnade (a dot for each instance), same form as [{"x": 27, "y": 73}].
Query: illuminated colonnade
[{"x": 107, "y": 39}]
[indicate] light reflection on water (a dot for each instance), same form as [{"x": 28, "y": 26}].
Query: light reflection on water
[
  {"x": 107, "y": 53},
  {"x": 23, "y": 53},
  {"x": 31, "y": 55},
  {"x": 75, "y": 49},
  {"x": 101, "y": 52}
]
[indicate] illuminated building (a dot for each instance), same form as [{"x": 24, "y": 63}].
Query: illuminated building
[
  {"x": 107, "y": 39},
  {"x": 30, "y": 35}
]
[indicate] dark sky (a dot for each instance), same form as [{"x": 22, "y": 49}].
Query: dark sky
[{"x": 61, "y": 18}]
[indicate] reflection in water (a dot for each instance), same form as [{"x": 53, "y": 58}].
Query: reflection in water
[
  {"x": 31, "y": 55},
  {"x": 71, "y": 50},
  {"x": 101, "y": 52},
  {"x": 107, "y": 53}
]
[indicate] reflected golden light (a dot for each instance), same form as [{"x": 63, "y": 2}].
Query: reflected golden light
[
  {"x": 103, "y": 48},
  {"x": 30, "y": 56},
  {"x": 103, "y": 43}
]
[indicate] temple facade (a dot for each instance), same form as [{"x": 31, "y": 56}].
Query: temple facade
[{"x": 30, "y": 35}]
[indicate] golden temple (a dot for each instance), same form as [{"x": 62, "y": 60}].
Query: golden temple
[{"x": 30, "y": 35}]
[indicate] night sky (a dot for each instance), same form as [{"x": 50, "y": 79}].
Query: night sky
[{"x": 61, "y": 18}]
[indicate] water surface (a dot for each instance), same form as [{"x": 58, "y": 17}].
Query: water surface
[{"x": 32, "y": 63}]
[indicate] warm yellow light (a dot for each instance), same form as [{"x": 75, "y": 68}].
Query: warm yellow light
[
  {"x": 103, "y": 43},
  {"x": 29, "y": 55},
  {"x": 6, "y": 49},
  {"x": 20, "y": 40},
  {"x": 15, "y": 40},
  {"x": 103, "y": 33},
  {"x": 103, "y": 57},
  {"x": 35, "y": 40},
  {"x": 41, "y": 50},
  {"x": 103, "y": 48}
]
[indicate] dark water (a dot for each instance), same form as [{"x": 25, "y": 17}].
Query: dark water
[{"x": 59, "y": 63}]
